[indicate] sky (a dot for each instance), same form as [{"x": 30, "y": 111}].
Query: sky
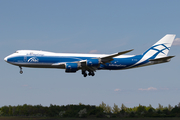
[{"x": 89, "y": 26}]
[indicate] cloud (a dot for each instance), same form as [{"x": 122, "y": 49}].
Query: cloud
[
  {"x": 116, "y": 90},
  {"x": 148, "y": 89},
  {"x": 176, "y": 42},
  {"x": 27, "y": 86},
  {"x": 93, "y": 51}
]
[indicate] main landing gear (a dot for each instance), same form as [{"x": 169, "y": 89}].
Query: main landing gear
[
  {"x": 91, "y": 73},
  {"x": 21, "y": 72}
]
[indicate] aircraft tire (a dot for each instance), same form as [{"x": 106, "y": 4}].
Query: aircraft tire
[
  {"x": 93, "y": 74},
  {"x": 85, "y": 75}
]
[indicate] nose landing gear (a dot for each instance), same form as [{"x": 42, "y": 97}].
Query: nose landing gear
[{"x": 21, "y": 72}]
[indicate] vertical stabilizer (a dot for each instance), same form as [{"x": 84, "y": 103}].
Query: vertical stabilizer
[{"x": 161, "y": 48}]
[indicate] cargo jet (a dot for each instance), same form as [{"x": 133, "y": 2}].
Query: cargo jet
[{"x": 89, "y": 63}]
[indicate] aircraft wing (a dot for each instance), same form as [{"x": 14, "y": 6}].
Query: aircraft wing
[
  {"x": 59, "y": 64},
  {"x": 103, "y": 60},
  {"x": 110, "y": 57}
]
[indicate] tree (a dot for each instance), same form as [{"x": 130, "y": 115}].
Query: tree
[
  {"x": 141, "y": 110},
  {"x": 80, "y": 104},
  {"x": 61, "y": 113},
  {"x": 170, "y": 107},
  {"x": 179, "y": 105},
  {"x": 103, "y": 106},
  {"x": 115, "y": 109},
  {"x": 1, "y": 112},
  {"x": 10, "y": 110},
  {"x": 160, "y": 107},
  {"x": 123, "y": 107},
  {"x": 108, "y": 109},
  {"x": 5, "y": 110},
  {"x": 96, "y": 111},
  {"x": 83, "y": 113},
  {"x": 149, "y": 107}
]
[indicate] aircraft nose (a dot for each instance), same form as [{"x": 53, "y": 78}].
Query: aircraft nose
[{"x": 5, "y": 59}]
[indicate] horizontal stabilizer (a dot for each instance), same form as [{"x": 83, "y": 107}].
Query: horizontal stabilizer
[{"x": 163, "y": 59}]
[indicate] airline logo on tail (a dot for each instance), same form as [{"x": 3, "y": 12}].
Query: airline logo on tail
[{"x": 159, "y": 49}]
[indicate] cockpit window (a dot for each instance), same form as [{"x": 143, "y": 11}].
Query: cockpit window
[{"x": 16, "y": 52}]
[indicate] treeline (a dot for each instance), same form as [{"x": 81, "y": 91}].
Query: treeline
[{"x": 83, "y": 111}]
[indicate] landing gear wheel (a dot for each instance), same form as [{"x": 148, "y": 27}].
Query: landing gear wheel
[
  {"x": 21, "y": 72},
  {"x": 91, "y": 73},
  {"x": 85, "y": 75}
]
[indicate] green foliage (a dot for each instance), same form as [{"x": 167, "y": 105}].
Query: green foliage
[
  {"x": 141, "y": 110},
  {"x": 123, "y": 107},
  {"x": 61, "y": 113},
  {"x": 170, "y": 107},
  {"x": 160, "y": 107},
  {"x": 115, "y": 109},
  {"x": 106, "y": 108},
  {"x": 103, "y": 106},
  {"x": 84, "y": 111},
  {"x": 1, "y": 113}
]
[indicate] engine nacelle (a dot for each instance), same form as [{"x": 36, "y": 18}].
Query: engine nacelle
[
  {"x": 92, "y": 62},
  {"x": 71, "y": 67}
]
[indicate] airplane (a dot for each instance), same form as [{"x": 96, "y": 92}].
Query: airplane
[{"x": 73, "y": 62}]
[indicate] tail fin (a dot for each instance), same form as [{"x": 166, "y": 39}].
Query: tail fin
[{"x": 161, "y": 48}]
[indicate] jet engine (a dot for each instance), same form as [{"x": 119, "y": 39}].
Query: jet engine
[
  {"x": 71, "y": 67},
  {"x": 92, "y": 62}
]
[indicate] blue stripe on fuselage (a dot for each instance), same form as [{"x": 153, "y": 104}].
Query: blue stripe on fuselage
[
  {"x": 117, "y": 63},
  {"x": 121, "y": 63}
]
